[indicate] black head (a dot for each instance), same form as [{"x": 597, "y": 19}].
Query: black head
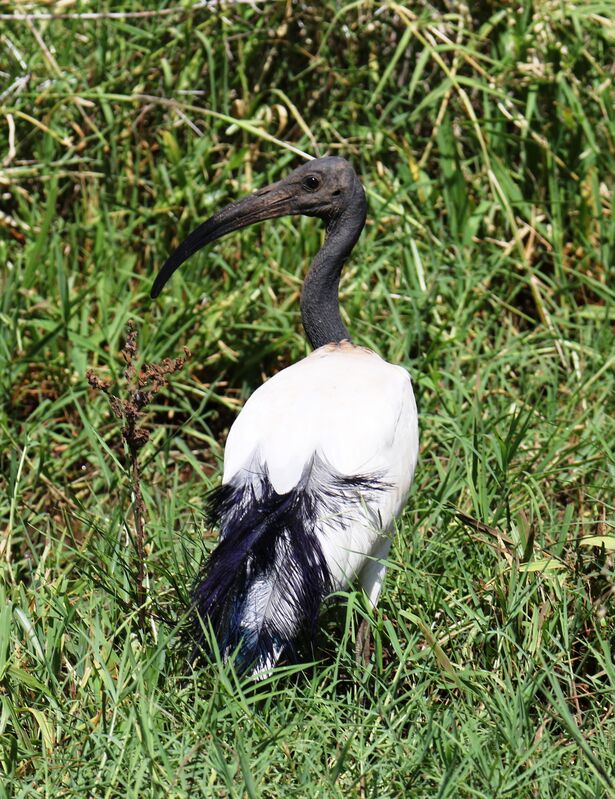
[{"x": 325, "y": 187}]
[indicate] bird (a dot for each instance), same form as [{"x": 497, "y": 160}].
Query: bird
[{"x": 319, "y": 462}]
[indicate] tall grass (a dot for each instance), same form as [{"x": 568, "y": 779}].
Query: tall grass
[{"x": 484, "y": 136}]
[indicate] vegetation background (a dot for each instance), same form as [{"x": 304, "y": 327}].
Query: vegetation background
[{"x": 484, "y": 135}]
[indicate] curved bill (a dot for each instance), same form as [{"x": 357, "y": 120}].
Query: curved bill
[{"x": 268, "y": 203}]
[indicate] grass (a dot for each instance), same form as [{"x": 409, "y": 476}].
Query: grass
[{"x": 485, "y": 140}]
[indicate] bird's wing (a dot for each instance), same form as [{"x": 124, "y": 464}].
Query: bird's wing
[{"x": 354, "y": 415}]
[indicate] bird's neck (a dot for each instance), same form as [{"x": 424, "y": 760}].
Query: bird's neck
[{"x": 320, "y": 310}]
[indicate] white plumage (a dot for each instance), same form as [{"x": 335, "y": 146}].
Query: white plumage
[{"x": 357, "y": 413}]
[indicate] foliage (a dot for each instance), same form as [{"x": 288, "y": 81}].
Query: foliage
[{"x": 485, "y": 140}]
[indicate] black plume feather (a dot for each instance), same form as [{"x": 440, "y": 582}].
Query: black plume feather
[{"x": 266, "y": 580}]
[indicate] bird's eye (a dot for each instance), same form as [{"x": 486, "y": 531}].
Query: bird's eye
[{"x": 311, "y": 183}]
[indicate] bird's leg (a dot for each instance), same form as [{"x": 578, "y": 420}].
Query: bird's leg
[
  {"x": 371, "y": 579},
  {"x": 363, "y": 643}
]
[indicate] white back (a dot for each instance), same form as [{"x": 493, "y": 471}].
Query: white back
[{"x": 357, "y": 413}]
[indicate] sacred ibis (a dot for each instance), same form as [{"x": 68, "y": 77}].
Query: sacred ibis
[{"x": 319, "y": 462}]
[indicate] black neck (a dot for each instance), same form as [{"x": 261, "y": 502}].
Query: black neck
[{"x": 320, "y": 310}]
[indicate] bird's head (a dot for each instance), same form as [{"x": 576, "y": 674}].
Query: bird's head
[{"x": 324, "y": 188}]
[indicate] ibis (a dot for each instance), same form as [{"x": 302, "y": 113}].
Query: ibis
[{"x": 319, "y": 462}]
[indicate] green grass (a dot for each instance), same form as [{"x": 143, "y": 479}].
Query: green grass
[{"x": 486, "y": 143}]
